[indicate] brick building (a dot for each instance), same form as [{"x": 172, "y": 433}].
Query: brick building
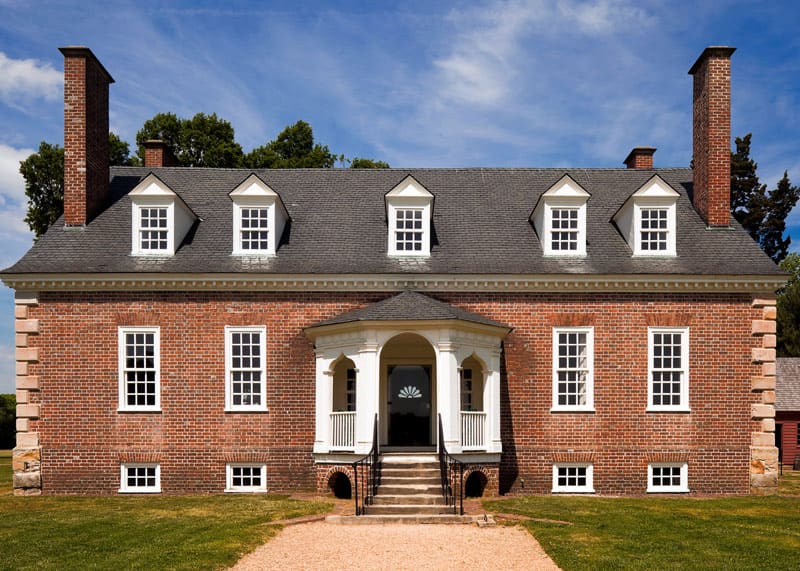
[
  {"x": 787, "y": 410},
  {"x": 190, "y": 330}
]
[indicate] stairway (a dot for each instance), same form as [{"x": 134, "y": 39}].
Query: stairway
[
  {"x": 410, "y": 492},
  {"x": 410, "y": 485}
]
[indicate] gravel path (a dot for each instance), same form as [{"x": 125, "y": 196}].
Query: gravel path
[{"x": 322, "y": 545}]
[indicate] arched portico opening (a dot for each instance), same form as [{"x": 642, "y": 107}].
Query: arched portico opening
[{"x": 408, "y": 392}]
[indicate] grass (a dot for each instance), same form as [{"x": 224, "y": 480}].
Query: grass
[
  {"x": 665, "y": 533},
  {"x": 789, "y": 483},
  {"x": 142, "y": 532}
]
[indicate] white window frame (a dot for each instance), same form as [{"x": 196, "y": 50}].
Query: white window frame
[
  {"x": 229, "y": 331},
  {"x": 589, "y": 405},
  {"x": 552, "y": 204},
  {"x": 238, "y": 206},
  {"x": 682, "y": 488},
  {"x": 123, "y": 479},
  {"x": 121, "y": 358},
  {"x": 229, "y": 486},
  {"x": 425, "y": 245},
  {"x": 587, "y": 489},
  {"x": 649, "y": 204},
  {"x": 137, "y": 228},
  {"x": 683, "y": 406}
]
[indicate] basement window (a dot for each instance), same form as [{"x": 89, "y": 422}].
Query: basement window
[
  {"x": 667, "y": 478},
  {"x": 572, "y": 477},
  {"x": 140, "y": 479},
  {"x": 246, "y": 478}
]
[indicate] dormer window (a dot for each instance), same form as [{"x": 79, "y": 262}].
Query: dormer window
[
  {"x": 409, "y": 209},
  {"x": 259, "y": 218},
  {"x": 160, "y": 218},
  {"x": 153, "y": 229},
  {"x": 560, "y": 219},
  {"x": 647, "y": 220}
]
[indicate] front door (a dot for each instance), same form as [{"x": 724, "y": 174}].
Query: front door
[{"x": 409, "y": 405}]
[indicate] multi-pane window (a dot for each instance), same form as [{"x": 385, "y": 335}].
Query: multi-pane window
[
  {"x": 572, "y": 368},
  {"x": 246, "y": 368},
  {"x": 153, "y": 229},
  {"x": 667, "y": 478},
  {"x": 139, "y": 368},
  {"x": 350, "y": 390},
  {"x": 140, "y": 478},
  {"x": 246, "y": 477},
  {"x": 564, "y": 229},
  {"x": 669, "y": 372},
  {"x": 654, "y": 230},
  {"x": 254, "y": 229},
  {"x": 466, "y": 390},
  {"x": 408, "y": 230},
  {"x": 573, "y": 478}
]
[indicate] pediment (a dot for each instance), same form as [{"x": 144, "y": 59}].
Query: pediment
[
  {"x": 151, "y": 185},
  {"x": 409, "y": 187},
  {"x": 253, "y": 187}
]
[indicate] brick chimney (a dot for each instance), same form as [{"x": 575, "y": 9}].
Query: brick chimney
[
  {"x": 86, "y": 84},
  {"x": 712, "y": 135},
  {"x": 640, "y": 158},
  {"x": 158, "y": 154}
]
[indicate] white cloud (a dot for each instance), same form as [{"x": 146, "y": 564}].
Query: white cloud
[
  {"x": 22, "y": 79},
  {"x": 12, "y": 185},
  {"x": 14, "y": 233},
  {"x": 7, "y": 367}
]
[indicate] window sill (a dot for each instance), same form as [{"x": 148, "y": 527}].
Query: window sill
[
  {"x": 234, "y": 491},
  {"x": 579, "y": 410},
  {"x": 153, "y": 491},
  {"x": 139, "y": 410},
  {"x": 258, "y": 254},
  {"x": 666, "y": 491},
  {"x": 590, "y": 491},
  {"x": 673, "y": 410},
  {"x": 246, "y": 410}
]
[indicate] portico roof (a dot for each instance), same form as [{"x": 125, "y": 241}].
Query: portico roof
[{"x": 409, "y": 306}]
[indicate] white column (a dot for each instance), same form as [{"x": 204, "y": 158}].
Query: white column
[
  {"x": 447, "y": 395},
  {"x": 491, "y": 400},
  {"x": 324, "y": 404},
  {"x": 367, "y": 395}
]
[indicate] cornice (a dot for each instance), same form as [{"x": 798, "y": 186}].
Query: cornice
[{"x": 395, "y": 282}]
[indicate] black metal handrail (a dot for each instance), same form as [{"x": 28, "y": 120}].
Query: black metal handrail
[
  {"x": 370, "y": 468},
  {"x": 451, "y": 470}
]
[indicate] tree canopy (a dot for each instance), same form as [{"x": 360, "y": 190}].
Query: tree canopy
[
  {"x": 202, "y": 141},
  {"x": 762, "y": 213},
  {"x": 788, "y": 339}
]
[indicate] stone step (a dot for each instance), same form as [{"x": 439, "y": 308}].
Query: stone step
[
  {"x": 410, "y": 466},
  {"x": 410, "y": 519},
  {"x": 411, "y": 472},
  {"x": 417, "y": 499},
  {"x": 408, "y": 489},
  {"x": 400, "y": 480},
  {"x": 408, "y": 509}
]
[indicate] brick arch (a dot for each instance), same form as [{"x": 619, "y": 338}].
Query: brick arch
[{"x": 347, "y": 471}]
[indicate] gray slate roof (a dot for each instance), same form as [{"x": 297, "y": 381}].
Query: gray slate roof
[
  {"x": 787, "y": 389},
  {"x": 338, "y": 226},
  {"x": 408, "y": 306}
]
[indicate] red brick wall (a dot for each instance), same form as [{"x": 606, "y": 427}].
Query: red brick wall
[{"x": 82, "y": 435}]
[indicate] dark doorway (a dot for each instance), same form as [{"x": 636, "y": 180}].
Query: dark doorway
[
  {"x": 339, "y": 484},
  {"x": 409, "y": 405}
]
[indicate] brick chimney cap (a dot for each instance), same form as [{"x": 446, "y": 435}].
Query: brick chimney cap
[
  {"x": 84, "y": 52},
  {"x": 712, "y": 51},
  {"x": 646, "y": 151},
  {"x": 155, "y": 143}
]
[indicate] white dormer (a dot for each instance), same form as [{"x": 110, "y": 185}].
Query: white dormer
[
  {"x": 259, "y": 218},
  {"x": 409, "y": 209},
  {"x": 160, "y": 218},
  {"x": 560, "y": 218},
  {"x": 647, "y": 220}
]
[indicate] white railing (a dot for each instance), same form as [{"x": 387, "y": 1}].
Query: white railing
[
  {"x": 473, "y": 430},
  {"x": 343, "y": 430}
]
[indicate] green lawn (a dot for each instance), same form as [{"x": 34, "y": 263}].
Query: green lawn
[
  {"x": 143, "y": 532},
  {"x": 664, "y": 533}
]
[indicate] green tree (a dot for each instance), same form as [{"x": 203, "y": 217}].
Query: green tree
[
  {"x": 763, "y": 214},
  {"x": 8, "y": 415},
  {"x": 788, "y": 321},
  {"x": 361, "y": 163},
  {"x": 118, "y": 151},
  {"x": 44, "y": 186},
  {"x": 294, "y": 147},
  {"x": 202, "y": 141},
  {"x": 43, "y": 172}
]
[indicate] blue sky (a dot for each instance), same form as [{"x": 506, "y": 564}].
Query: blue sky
[{"x": 482, "y": 83}]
